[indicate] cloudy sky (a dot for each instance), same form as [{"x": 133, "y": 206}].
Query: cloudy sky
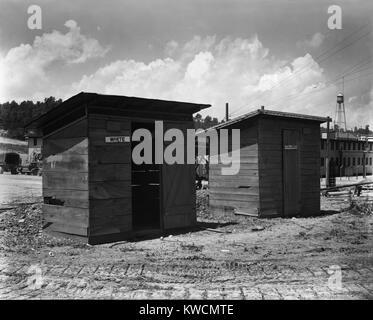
[{"x": 280, "y": 54}]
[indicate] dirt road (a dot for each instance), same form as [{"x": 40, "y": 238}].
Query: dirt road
[
  {"x": 19, "y": 189},
  {"x": 325, "y": 257}
]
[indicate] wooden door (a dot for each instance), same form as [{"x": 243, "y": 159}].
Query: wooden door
[
  {"x": 291, "y": 173},
  {"x": 145, "y": 184},
  {"x": 178, "y": 187}
]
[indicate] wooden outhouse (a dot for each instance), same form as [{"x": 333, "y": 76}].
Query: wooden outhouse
[
  {"x": 91, "y": 186},
  {"x": 279, "y": 172}
]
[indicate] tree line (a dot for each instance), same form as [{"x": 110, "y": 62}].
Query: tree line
[{"x": 14, "y": 116}]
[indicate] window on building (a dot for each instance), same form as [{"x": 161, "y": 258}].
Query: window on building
[
  {"x": 348, "y": 161},
  {"x": 349, "y": 146},
  {"x": 332, "y": 145},
  {"x": 353, "y": 146},
  {"x": 344, "y": 145},
  {"x": 358, "y": 146},
  {"x": 358, "y": 161},
  {"x": 366, "y": 161},
  {"x": 370, "y": 161},
  {"x": 322, "y": 144},
  {"x": 370, "y": 146},
  {"x": 353, "y": 161},
  {"x": 35, "y": 141},
  {"x": 322, "y": 161}
]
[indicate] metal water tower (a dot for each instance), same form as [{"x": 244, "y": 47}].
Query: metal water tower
[{"x": 340, "y": 115}]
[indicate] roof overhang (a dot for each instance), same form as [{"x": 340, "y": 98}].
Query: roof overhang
[
  {"x": 110, "y": 102},
  {"x": 271, "y": 113}
]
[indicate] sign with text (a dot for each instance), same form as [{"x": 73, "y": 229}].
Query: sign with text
[
  {"x": 291, "y": 147},
  {"x": 117, "y": 139}
]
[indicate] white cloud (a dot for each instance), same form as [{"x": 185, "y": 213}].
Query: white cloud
[
  {"x": 238, "y": 71},
  {"x": 24, "y": 69},
  {"x": 316, "y": 41},
  {"x": 204, "y": 69}
]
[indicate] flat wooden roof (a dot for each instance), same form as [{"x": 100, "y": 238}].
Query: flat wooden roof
[
  {"x": 271, "y": 113},
  {"x": 110, "y": 102}
]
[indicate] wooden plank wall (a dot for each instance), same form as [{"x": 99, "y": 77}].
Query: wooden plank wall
[
  {"x": 109, "y": 176},
  {"x": 178, "y": 186},
  {"x": 270, "y": 165},
  {"x": 65, "y": 179},
  {"x": 239, "y": 191}
]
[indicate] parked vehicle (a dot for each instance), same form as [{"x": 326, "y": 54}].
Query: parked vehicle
[
  {"x": 34, "y": 168},
  {"x": 10, "y": 162}
]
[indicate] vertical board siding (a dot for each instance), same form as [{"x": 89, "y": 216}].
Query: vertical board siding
[
  {"x": 109, "y": 176},
  {"x": 178, "y": 186},
  {"x": 65, "y": 179},
  {"x": 271, "y": 168}
]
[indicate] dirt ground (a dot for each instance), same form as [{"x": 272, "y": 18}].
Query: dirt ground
[{"x": 226, "y": 257}]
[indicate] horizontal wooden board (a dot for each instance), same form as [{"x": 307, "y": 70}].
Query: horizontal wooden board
[
  {"x": 65, "y": 180},
  {"x": 249, "y": 166},
  {"x": 104, "y": 172},
  {"x": 100, "y": 122},
  {"x": 234, "y": 204},
  {"x": 75, "y": 130},
  {"x": 178, "y": 221},
  {"x": 110, "y": 221},
  {"x": 110, "y": 153},
  {"x": 66, "y": 215},
  {"x": 270, "y": 212},
  {"x": 243, "y": 189},
  {"x": 243, "y": 172},
  {"x": 66, "y": 162},
  {"x": 236, "y": 180},
  {"x": 66, "y": 145},
  {"x": 109, "y": 189},
  {"x": 110, "y": 207},
  {"x": 97, "y": 230},
  {"x": 69, "y": 229},
  {"x": 70, "y": 198},
  {"x": 234, "y": 196}
]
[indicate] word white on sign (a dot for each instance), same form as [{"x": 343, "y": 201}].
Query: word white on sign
[
  {"x": 117, "y": 139},
  {"x": 291, "y": 147}
]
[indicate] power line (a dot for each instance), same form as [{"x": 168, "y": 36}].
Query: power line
[
  {"x": 298, "y": 72},
  {"x": 302, "y": 95}
]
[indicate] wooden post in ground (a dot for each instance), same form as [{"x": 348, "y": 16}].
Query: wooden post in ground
[{"x": 327, "y": 173}]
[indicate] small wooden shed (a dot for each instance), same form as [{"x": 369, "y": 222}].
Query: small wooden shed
[
  {"x": 279, "y": 166},
  {"x": 91, "y": 186}
]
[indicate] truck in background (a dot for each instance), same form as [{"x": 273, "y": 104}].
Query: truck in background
[{"x": 10, "y": 162}]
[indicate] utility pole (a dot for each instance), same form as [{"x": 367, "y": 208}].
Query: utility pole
[
  {"x": 226, "y": 111},
  {"x": 327, "y": 169}
]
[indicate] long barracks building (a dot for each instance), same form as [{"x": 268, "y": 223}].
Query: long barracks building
[{"x": 349, "y": 155}]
